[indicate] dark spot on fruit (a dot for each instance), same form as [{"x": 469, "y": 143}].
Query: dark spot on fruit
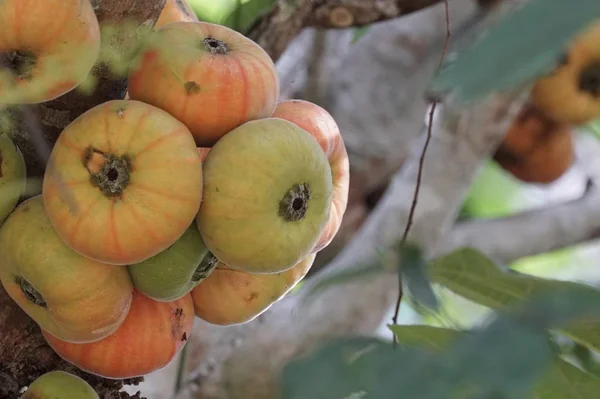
[
  {"x": 184, "y": 337},
  {"x": 252, "y": 296},
  {"x": 192, "y": 87},
  {"x": 178, "y": 312},
  {"x": 589, "y": 79}
]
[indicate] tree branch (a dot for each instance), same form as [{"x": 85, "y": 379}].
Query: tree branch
[
  {"x": 277, "y": 29},
  {"x": 24, "y": 354}
]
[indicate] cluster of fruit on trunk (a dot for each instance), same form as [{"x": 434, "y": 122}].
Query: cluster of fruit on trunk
[
  {"x": 538, "y": 146},
  {"x": 201, "y": 194}
]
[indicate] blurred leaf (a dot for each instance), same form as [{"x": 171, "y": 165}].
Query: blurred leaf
[
  {"x": 213, "y": 11},
  {"x": 562, "y": 381},
  {"x": 523, "y": 45},
  {"x": 472, "y": 275},
  {"x": 508, "y": 358},
  {"x": 411, "y": 270},
  {"x": 358, "y": 33},
  {"x": 247, "y": 12}
]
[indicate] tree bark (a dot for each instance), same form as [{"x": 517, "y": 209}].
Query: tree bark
[{"x": 24, "y": 354}]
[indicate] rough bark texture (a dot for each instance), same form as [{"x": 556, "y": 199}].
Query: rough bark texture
[
  {"x": 276, "y": 30},
  {"x": 24, "y": 354}
]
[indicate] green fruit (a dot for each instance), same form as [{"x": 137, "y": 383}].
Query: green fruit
[
  {"x": 175, "y": 271},
  {"x": 267, "y": 196},
  {"x": 59, "y": 384},
  {"x": 12, "y": 176}
]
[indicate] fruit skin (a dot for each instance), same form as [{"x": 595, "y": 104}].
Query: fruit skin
[
  {"x": 535, "y": 148},
  {"x": 175, "y": 11},
  {"x": 152, "y": 334},
  {"x": 13, "y": 175},
  {"x": 208, "y": 76},
  {"x": 85, "y": 300},
  {"x": 560, "y": 94},
  {"x": 249, "y": 174},
  {"x": 321, "y": 125},
  {"x": 145, "y": 214},
  {"x": 203, "y": 151},
  {"x": 65, "y": 41},
  {"x": 174, "y": 272},
  {"x": 59, "y": 384},
  {"x": 229, "y": 297}
]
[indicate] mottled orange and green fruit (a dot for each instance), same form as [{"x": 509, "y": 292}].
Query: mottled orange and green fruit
[
  {"x": 267, "y": 196},
  {"x": 208, "y": 76},
  {"x": 231, "y": 296},
  {"x": 321, "y": 125},
  {"x": 123, "y": 183},
  {"x": 59, "y": 385},
  {"x": 48, "y": 48},
  {"x": 70, "y": 296},
  {"x": 175, "y": 11},
  {"x": 12, "y": 176},
  {"x": 571, "y": 92},
  {"x": 152, "y": 334},
  {"x": 175, "y": 271}
]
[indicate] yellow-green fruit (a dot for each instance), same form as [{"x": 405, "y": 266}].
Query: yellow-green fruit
[
  {"x": 267, "y": 196},
  {"x": 12, "y": 176},
  {"x": 173, "y": 273},
  {"x": 230, "y": 296},
  {"x": 59, "y": 385},
  {"x": 72, "y": 297}
]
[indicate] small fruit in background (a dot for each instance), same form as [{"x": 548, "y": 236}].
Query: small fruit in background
[
  {"x": 175, "y": 11},
  {"x": 267, "y": 196},
  {"x": 47, "y": 53},
  {"x": 321, "y": 125},
  {"x": 66, "y": 294},
  {"x": 152, "y": 334},
  {"x": 175, "y": 271},
  {"x": 132, "y": 182},
  {"x": 59, "y": 385},
  {"x": 208, "y": 76},
  {"x": 535, "y": 148},
  {"x": 571, "y": 93},
  {"x": 230, "y": 296},
  {"x": 13, "y": 175}
]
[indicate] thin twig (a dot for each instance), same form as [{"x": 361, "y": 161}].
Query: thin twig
[{"x": 420, "y": 171}]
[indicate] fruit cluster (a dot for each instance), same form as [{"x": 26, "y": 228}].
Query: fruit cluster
[
  {"x": 202, "y": 194},
  {"x": 538, "y": 147}
]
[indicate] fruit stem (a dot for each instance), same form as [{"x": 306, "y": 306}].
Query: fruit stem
[
  {"x": 20, "y": 62},
  {"x": 31, "y": 293},
  {"x": 111, "y": 174},
  {"x": 215, "y": 46},
  {"x": 589, "y": 79},
  {"x": 207, "y": 264},
  {"x": 294, "y": 204}
]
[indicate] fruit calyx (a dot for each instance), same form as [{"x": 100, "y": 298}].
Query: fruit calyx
[
  {"x": 589, "y": 79},
  {"x": 215, "y": 46},
  {"x": 110, "y": 173},
  {"x": 206, "y": 265},
  {"x": 20, "y": 62},
  {"x": 31, "y": 293},
  {"x": 294, "y": 204}
]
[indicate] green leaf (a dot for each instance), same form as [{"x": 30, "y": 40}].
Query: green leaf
[
  {"x": 523, "y": 45},
  {"x": 472, "y": 275},
  {"x": 411, "y": 271},
  {"x": 562, "y": 381},
  {"x": 246, "y": 13}
]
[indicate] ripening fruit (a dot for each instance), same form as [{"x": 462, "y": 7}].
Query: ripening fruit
[
  {"x": 321, "y": 125},
  {"x": 149, "y": 338},
  {"x": 267, "y": 196},
  {"x": 123, "y": 183},
  {"x": 13, "y": 175},
  {"x": 230, "y": 296},
  {"x": 571, "y": 93},
  {"x": 49, "y": 47},
  {"x": 210, "y": 77},
  {"x": 59, "y": 385},
  {"x": 536, "y": 149},
  {"x": 72, "y": 297}
]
